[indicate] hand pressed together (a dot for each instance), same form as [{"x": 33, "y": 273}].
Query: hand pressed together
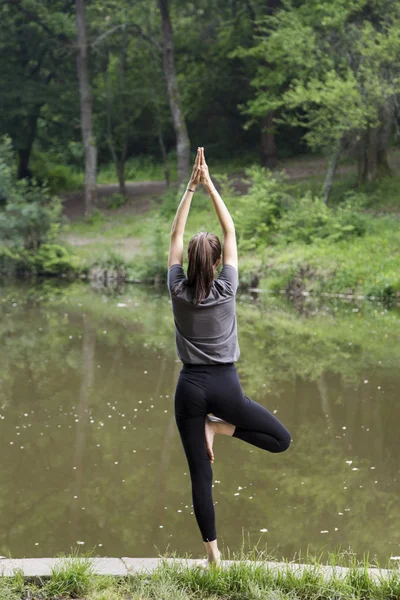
[{"x": 200, "y": 173}]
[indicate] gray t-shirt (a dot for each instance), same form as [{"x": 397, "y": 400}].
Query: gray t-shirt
[{"x": 205, "y": 333}]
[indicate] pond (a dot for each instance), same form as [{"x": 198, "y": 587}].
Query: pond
[{"x": 91, "y": 456}]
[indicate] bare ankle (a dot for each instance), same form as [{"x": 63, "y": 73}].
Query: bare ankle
[{"x": 213, "y": 553}]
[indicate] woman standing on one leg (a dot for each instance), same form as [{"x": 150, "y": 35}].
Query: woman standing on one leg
[{"x": 204, "y": 309}]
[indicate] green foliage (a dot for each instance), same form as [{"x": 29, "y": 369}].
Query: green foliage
[
  {"x": 96, "y": 217},
  {"x": 270, "y": 213},
  {"x": 329, "y": 67},
  {"x": 29, "y": 215},
  {"x": 110, "y": 259},
  {"x": 49, "y": 259},
  {"x": 115, "y": 201},
  {"x": 309, "y": 219},
  {"x": 171, "y": 198},
  {"x": 72, "y": 578},
  {"x": 138, "y": 168},
  {"x": 258, "y": 213},
  {"x": 368, "y": 264},
  {"x": 251, "y": 574},
  {"x": 53, "y": 259},
  {"x": 58, "y": 177}
]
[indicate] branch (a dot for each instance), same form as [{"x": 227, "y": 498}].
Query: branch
[{"x": 137, "y": 29}]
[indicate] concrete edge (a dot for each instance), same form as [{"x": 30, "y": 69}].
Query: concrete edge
[{"x": 43, "y": 567}]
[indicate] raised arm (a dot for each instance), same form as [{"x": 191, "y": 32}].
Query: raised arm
[
  {"x": 230, "y": 256},
  {"x": 175, "y": 255}
]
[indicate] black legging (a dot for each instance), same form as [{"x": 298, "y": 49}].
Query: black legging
[{"x": 216, "y": 389}]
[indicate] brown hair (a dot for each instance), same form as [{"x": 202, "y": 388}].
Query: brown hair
[{"x": 204, "y": 250}]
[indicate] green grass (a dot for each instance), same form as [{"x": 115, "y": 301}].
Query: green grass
[
  {"x": 246, "y": 579},
  {"x": 368, "y": 265}
]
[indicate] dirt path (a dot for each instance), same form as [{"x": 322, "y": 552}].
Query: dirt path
[{"x": 140, "y": 194}]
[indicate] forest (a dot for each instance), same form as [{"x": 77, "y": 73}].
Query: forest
[{"x": 99, "y": 91}]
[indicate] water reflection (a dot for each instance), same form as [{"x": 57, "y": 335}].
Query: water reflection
[{"x": 90, "y": 451}]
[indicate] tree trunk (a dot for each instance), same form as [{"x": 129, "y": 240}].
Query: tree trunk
[
  {"x": 331, "y": 172},
  {"x": 268, "y": 146},
  {"x": 24, "y": 154},
  {"x": 182, "y": 138},
  {"x": 372, "y": 161},
  {"x": 362, "y": 158},
  {"x": 383, "y": 167},
  {"x": 89, "y": 142},
  {"x": 373, "y": 149},
  {"x": 121, "y": 176},
  {"x": 164, "y": 155},
  {"x": 23, "y": 163}
]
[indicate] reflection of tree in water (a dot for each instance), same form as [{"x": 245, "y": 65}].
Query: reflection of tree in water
[
  {"x": 88, "y": 355},
  {"x": 160, "y": 495}
]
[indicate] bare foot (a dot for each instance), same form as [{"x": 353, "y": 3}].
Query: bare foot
[
  {"x": 214, "y": 558},
  {"x": 210, "y": 429}
]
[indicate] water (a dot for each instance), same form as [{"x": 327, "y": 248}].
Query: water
[{"x": 91, "y": 456}]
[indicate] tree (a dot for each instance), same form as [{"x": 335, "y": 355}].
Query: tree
[
  {"x": 34, "y": 40},
  {"x": 182, "y": 138},
  {"x": 86, "y": 109},
  {"x": 335, "y": 71}
]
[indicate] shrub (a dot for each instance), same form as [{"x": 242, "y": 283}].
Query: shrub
[
  {"x": 96, "y": 217},
  {"x": 309, "y": 219},
  {"x": 57, "y": 177},
  {"x": 115, "y": 201},
  {"x": 29, "y": 215},
  {"x": 350, "y": 221},
  {"x": 171, "y": 198},
  {"x": 258, "y": 213},
  {"x": 110, "y": 259},
  {"x": 50, "y": 259}
]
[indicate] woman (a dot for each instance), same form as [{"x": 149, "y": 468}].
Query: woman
[{"x": 206, "y": 341}]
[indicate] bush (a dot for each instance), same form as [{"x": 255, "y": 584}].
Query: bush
[
  {"x": 110, "y": 259},
  {"x": 115, "y": 201},
  {"x": 258, "y": 213},
  {"x": 307, "y": 219},
  {"x": 96, "y": 217},
  {"x": 350, "y": 221},
  {"x": 56, "y": 176},
  {"x": 169, "y": 202},
  {"x": 50, "y": 259},
  {"x": 29, "y": 215},
  {"x": 30, "y": 219}
]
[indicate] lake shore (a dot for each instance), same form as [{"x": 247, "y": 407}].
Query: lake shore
[{"x": 249, "y": 575}]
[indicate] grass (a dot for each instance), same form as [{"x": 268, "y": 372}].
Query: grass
[
  {"x": 368, "y": 265},
  {"x": 253, "y": 576},
  {"x": 138, "y": 244}
]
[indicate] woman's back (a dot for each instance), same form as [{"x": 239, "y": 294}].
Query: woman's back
[{"x": 206, "y": 333}]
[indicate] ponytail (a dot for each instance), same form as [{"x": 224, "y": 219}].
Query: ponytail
[{"x": 203, "y": 252}]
